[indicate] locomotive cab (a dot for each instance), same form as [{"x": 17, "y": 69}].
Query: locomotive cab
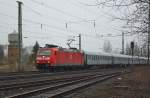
[{"x": 43, "y": 59}]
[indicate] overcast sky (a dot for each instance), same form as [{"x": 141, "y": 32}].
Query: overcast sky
[{"x": 45, "y": 21}]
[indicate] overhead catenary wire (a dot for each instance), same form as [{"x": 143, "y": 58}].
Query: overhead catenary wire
[
  {"x": 51, "y": 26},
  {"x": 58, "y": 10},
  {"x": 88, "y": 10},
  {"x": 99, "y": 14},
  {"x": 33, "y": 10},
  {"x": 34, "y": 22},
  {"x": 60, "y": 28},
  {"x": 43, "y": 16},
  {"x": 7, "y": 4},
  {"x": 39, "y": 22}
]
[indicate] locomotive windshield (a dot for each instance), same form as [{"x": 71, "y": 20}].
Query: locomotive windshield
[{"x": 44, "y": 52}]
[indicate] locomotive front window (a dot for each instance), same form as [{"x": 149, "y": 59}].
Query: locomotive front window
[{"x": 44, "y": 52}]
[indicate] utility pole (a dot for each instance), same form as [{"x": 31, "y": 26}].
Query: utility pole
[
  {"x": 132, "y": 49},
  {"x": 148, "y": 33},
  {"x": 79, "y": 42},
  {"x": 20, "y": 35},
  {"x": 122, "y": 42},
  {"x": 141, "y": 52}
]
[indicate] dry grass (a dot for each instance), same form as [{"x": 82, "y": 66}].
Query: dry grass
[
  {"x": 133, "y": 85},
  {"x": 14, "y": 68}
]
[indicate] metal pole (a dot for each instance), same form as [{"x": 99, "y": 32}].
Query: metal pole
[
  {"x": 132, "y": 51},
  {"x": 132, "y": 55},
  {"x": 148, "y": 33},
  {"x": 141, "y": 52},
  {"x": 80, "y": 42},
  {"x": 20, "y": 34},
  {"x": 122, "y": 42}
]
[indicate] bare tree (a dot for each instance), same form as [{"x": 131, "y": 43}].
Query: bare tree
[
  {"x": 107, "y": 46},
  {"x": 135, "y": 13}
]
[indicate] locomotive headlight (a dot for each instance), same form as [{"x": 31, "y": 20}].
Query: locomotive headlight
[{"x": 48, "y": 61}]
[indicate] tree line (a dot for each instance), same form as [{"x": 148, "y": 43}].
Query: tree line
[{"x": 136, "y": 15}]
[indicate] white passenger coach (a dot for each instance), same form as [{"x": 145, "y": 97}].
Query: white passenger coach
[{"x": 116, "y": 59}]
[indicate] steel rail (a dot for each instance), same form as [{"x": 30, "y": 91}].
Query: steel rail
[
  {"x": 59, "y": 93},
  {"x": 18, "y": 81},
  {"x": 54, "y": 87},
  {"x": 38, "y": 83},
  {"x": 15, "y": 76}
]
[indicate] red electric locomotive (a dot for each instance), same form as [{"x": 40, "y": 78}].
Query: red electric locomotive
[{"x": 53, "y": 57}]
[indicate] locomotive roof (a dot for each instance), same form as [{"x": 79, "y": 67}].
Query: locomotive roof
[
  {"x": 97, "y": 53},
  {"x": 62, "y": 49}
]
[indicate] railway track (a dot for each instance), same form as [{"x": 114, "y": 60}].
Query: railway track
[
  {"x": 18, "y": 75},
  {"x": 37, "y": 82},
  {"x": 13, "y": 76},
  {"x": 55, "y": 88},
  {"x": 26, "y": 75}
]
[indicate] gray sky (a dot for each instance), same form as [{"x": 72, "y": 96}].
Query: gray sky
[{"x": 44, "y": 21}]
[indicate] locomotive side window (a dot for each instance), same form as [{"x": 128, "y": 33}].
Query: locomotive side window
[{"x": 44, "y": 52}]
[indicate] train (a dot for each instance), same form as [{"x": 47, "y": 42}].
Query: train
[{"x": 53, "y": 57}]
